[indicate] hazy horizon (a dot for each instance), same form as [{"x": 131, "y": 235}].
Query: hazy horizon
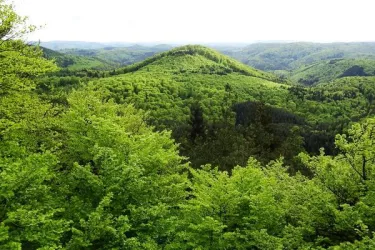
[
  {"x": 205, "y": 22},
  {"x": 198, "y": 42}
]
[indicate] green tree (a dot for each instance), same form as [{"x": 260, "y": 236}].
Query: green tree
[
  {"x": 349, "y": 176},
  {"x": 19, "y": 62}
]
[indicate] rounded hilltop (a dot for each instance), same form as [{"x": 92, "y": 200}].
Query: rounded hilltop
[{"x": 195, "y": 59}]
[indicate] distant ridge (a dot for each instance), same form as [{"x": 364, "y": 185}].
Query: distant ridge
[{"x": 76, "y": 63}]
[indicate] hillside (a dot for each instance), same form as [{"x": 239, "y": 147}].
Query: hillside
[
  {"x": 179, "y": 76},
  {"x": 326, "y": 71},
  {"x": 193, "y": 86},
  {"x": 196, "y": 73},
  {"x": 119, "y": 55},
  {"x": 216, "y": 106},
  {"x": 196, "y": 59},
  {"x": 76, "y": 63},
  {"x": 290, "y": 56}
]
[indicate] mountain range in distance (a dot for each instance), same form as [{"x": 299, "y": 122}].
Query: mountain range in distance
[{"x": 299, "y": 62}]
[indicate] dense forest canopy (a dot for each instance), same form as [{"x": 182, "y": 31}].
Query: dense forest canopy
[{"x": 187, "y": 149}]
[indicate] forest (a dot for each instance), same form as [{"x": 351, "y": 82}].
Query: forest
[{"x": 186, "y": 147}]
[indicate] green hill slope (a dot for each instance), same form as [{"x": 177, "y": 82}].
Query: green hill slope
[
  {"x": 168, "y": 83},
  {"x": 290, "y": 56},
  {"x": 76, "y": 63},
  {"x": 196, "y": 59},
  {"x": 222, "y": 112},
  {"x": 192, "y": 91},
  {"x": 327, "y": 71},
  {"x": 121, "y": 56}
]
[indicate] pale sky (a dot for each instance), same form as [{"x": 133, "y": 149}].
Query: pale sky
[{"x": 204, "y": 21}]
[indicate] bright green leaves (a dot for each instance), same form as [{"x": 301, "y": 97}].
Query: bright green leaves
[
  {"x": 17, "y": 176},
  {"x": 19, "y": 62},
  {"x": 110, "y": 181},
  {"x": 26, "y": 121},
  {"x": 29, "y": 217},
  {"x": 267, "y": 208},
  {"x": 19, "y": 65},
  {"x": 37, "y": 228},
  {"x": 225, "y": 211},
  {"x": 27, "y": 207},
  {"x": 335, "y": 175},
  {"x": 358, "y": 149},
  {"x": 348, "y": 174},
  {"x": 123, "y": 181},
  {"x": 12, "y": 26},
  {"x": 101, "y": 229}
]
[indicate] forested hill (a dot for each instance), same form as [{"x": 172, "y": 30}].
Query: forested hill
[
  {"x": 215, "y": 105},
  {"x": 301, "y": 63},
  {"x": 184, "y": 75},
  {"x": 193, "y": 86},
  {"x": 328, "y": 70},
  {"x": 120, "y": 55},
  {"x": 197, "y": 59},
  {"x": 77, "y": 63},
  {"x": 290, "y": 56}
]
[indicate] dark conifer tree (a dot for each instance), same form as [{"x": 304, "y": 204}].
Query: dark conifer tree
[{"x": 196, "y": 121}]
